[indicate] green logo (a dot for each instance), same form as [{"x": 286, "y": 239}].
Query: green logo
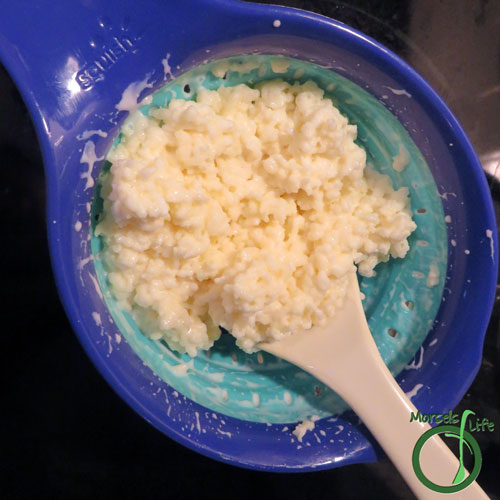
[{"x": 466, "y": 442}]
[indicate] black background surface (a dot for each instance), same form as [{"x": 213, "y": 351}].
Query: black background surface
[{"x": 64, "y": 434}]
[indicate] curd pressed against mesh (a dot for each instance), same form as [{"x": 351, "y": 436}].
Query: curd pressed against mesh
[{"x": 245, "y": 209}]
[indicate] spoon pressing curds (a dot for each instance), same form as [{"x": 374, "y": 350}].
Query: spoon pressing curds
[{"x": 344, "y": 356}]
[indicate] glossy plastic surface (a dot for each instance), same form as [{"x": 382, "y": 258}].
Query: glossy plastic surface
[
  {"x": 73, "y": 61},
  {"x": 262, "y": 388}
]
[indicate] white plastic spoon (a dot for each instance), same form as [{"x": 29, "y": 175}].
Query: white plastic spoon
[{"x": 343, "y": 355}]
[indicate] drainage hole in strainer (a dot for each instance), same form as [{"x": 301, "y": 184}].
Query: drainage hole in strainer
[
  {"x": 392, "y": 332},
  {"x": 421, "y": 210}
]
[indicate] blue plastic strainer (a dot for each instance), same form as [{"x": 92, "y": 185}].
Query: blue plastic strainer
[{"x": 72, "y": 62}]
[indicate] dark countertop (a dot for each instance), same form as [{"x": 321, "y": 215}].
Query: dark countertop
[{"x": 55, "y": 442}]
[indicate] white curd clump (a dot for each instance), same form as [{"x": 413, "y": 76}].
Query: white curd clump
[{"x": 245, "y": 209}]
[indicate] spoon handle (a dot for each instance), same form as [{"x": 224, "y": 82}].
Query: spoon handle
[
  {"x": 345, "y": 357},
  {"x": 387, "y": 412}
]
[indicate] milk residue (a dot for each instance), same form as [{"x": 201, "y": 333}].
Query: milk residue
[
  {"x": 433, "y": 276},
  {"x": 411, "y": 394},
  {"x": 489, "y": 235},
  {"x": 131, "y": 94},
  {"x": 416, "y": 365},
  {"x": 89, "y": 156},
  {"x": 167, "y": 70},
  {"x": 181, "y": 369},
  {"x": 87, "y": 134},
  {"x": 305, "y": 426},
  {"x": 400, "y": 161},
  {"x": 398, "y": 91},
  {"x": 279, "y": 66}
]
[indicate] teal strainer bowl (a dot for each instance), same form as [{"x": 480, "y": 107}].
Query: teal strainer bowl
[{"x": 399, "y": 305}]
